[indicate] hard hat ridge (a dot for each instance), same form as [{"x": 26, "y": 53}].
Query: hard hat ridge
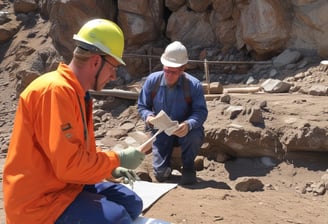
[
  {"x": 175, "y": 55},
  {"x": 101, "y": 36}
]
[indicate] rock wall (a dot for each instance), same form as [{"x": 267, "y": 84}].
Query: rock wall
[
  {"x": 36, "y": 35},
  {"x": 210, "y": 29}
]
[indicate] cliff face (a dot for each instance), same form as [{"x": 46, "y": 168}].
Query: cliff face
[
  {"x": 37, "y": 35},
  {"x": 211, "y": 29}
]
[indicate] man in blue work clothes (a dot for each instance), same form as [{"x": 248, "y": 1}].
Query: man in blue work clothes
[{"x": 181, "y": 96}]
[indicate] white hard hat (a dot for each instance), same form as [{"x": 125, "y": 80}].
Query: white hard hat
[{"x": 175, "y": 55}]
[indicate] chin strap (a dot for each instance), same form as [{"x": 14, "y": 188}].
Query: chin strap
[{"x": 98, "y": 72}]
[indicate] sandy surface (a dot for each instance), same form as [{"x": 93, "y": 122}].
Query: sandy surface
[
  {"x": 215, "y": 200},
  {"x": 285, "y": 197}
]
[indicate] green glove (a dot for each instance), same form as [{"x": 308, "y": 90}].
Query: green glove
[
  {"x": 131, "y": 158},
  {"x": 129, "y": 176}
]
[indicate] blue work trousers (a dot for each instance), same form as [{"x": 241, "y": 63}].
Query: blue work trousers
[
  {"x": 163, "y": 148},
  {"x": 102, "y": 203}
]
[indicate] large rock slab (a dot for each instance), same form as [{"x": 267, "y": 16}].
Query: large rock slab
[{"x": 291, "y": 123}]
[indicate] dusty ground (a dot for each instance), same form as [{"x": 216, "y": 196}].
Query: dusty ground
[
  {"x": 286, "y": 196},
  {"x": 214, "y": 199}
]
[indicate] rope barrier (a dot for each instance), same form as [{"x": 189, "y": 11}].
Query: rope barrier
[
  {"x": 200, "y": 61},
  {"x": 205, "y": 61}
]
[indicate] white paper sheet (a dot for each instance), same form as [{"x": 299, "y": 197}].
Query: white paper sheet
[
  {"x": 163, "y": 122},
  {"x": 150, "y": 192}
]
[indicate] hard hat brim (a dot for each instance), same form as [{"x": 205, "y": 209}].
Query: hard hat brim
[
  {"x": 95, "y": 49},
  {"x": 172, "y": 64}
]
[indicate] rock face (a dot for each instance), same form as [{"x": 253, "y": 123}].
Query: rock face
[
  {"x": 259, "y": 124},
  {"x": 289, "y": 124},
  {"x": 210, "y": 29}
]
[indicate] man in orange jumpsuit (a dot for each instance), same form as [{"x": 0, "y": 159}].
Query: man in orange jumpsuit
[{"x": 53, "y": 171}]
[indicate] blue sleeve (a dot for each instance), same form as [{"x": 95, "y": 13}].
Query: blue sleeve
[
  {"x": 145, "y": 101},
  {"x": 199, "y": 110}
]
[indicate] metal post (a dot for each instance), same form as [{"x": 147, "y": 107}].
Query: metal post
[
  {"x": 207, "y": 76},
  {"x": 149, "y": 62}
]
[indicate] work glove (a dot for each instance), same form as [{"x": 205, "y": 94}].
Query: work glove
[
  {"x": 131, "y": 158},
  {"x": 129, "y": 176}
]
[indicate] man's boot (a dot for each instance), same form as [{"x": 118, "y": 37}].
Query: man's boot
[
  {"x": 188, "y": 176},
  {"x": 164, "y": 175}
]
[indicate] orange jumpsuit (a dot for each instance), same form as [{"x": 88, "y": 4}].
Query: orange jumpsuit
[{"x": 52, "y": 152}]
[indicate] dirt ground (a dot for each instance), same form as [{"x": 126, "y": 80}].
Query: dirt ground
[
  {"x": 214, "y": 199},
  {"x": 284, "y": 198},
  {"x": 288, "y": 194}
]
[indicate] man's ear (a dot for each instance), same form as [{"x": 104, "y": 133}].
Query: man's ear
[{"x": 96, "y": 60}]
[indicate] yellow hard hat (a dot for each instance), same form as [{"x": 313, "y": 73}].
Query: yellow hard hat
[{"x": 101, "y": 36}]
